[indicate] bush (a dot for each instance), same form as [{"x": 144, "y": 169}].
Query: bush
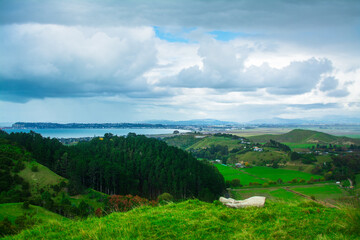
[
  {"x": 34, "y": 168},
  {"x": 26, "y": 205},
  {"x": 165, "y": 197},
  {"x": 235, "y": 183}
]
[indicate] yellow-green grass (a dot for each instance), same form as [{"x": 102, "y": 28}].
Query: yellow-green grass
[
  {"x": 326, "y": 192},
  {"x": 272, "y": 194},
  {"x": 299, "y": 146},
  {"x": 14, "y": 210},
  {"x": 255, "y": 157},
  {"x": 275, "y": 173},
  {"x": 43, "y": 178},
  {"x": 298, "y": 166},
  {"x": 230, "y": 173},
  {"x": 198, "y": 220},
  {"x": 214, "y": 140}
]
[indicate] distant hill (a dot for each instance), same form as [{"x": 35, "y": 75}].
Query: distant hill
[
  {"x": 306, "y": 136},
  {"x": 197, "y": 122}
]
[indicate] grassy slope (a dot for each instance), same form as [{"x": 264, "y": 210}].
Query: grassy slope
[
  {"x": 14, "y": 210},
  {"x": 253, "y": 157},
  {"x": 272, "y": 194},
  {"x": 182, "y": 141},
  {"x": 230, "y": 173},
  {"x": 300, "y": 136},
  {"x": 214, "y": 140},
  {"x": 329, "y": 193},
  {"x": 198, "y": 220},
  {"x": 276, "y": 173},
  {"x": 43, "y": 178}
]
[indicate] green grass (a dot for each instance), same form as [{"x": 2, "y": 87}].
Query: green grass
[
  {"x": 214, "y": 140},
  {"x": 275, "y": 173},
  {"x": 43, "y": 178},
  {"x": 330, "y": 192},
  {"x": 300, "y": 136},
  {"x": 272, "y": 194},
  {"x": 256, "y": 157},
  {"x": 357, "y": 180},
  {"x": 14, "y": 210},
  {"x": 198, "y": 220},
  {"x": 230, "y": 173},
  {"x": 294, "y": 146}
]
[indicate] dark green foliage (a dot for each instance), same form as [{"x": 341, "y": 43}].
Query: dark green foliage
[
  {"x": 212, "y": 152},
  {"x": 6, "y": 228},
  {"x": 165, "y": 197},
  {"x": 26, "y": 205},
  {"x": 34, "y": 168},
  {"x": 125, "y": 165},
  {"x": 84, "y": 209},
  {"x": 278, "y": 145}
]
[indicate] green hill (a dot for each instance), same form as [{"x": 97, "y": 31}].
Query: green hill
[
  {"x": 301, "y": 136},
  {"x": 14, "y": 210},
  {"x": 194, "y": 219}
]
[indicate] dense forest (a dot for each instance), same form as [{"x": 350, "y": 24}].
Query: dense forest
[{"x": 133, "y": 164}]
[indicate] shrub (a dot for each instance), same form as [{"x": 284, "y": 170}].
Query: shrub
[
  {"x": 120, "y": 203},
  {"x": 235, "y": 183},
  {"x": 265, "y": 185},
  {"x": 34, "y": 168},
  {"x": 165, "y": 197},
  {"x": 26, "y": 205}
]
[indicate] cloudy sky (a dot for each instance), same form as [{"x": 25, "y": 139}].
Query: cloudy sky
[{"x": 129, "y": 61}]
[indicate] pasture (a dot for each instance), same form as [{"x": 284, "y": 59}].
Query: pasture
[
  {"x": 230, "y": 173},
  {"x": 273, "y": 174}
]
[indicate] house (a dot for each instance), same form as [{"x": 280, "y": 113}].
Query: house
[
  {"x": 239, "y": 165},
  {"x": 257, "y": 149},
  {"x": 218, "y": 161}
]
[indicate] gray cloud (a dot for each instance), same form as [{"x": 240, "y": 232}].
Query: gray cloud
[
  {"x": 315, "y": 106},
  {"x": 328, "y": 84},
  {"x": 223, "y": 68},
  {"x": 338, "y": 93},
  {"x": 56, "y": 61}
]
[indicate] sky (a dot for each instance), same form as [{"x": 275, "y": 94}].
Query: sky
[{"x": 132, "y": 61}]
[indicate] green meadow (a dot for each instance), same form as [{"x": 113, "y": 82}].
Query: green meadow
[
  {"x": 231, "y": 173},
  {"x": 271, "y": 194},
  {"x": 14, "y": 210},
  {"x": 194, "y": 219},
  {"x": 273, "y": 174}
]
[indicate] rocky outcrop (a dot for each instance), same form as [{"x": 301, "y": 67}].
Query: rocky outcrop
[{"x": 256, "y": 201}]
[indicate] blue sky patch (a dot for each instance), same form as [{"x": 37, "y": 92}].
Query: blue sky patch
[
  {"x": 172, "y": 37},
  {"x": 227, "y": 36}
]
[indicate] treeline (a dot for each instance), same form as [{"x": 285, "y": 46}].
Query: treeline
[
  {"x": 134, "y": 165},
  {"x": 278, "y": 145},
  {"x": 341, "y": 167}
]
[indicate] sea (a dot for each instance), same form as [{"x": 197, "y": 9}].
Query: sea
[{"x": 94, "y": 132}]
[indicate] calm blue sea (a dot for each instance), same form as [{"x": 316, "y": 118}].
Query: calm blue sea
[{"x": 91, "y": 132}]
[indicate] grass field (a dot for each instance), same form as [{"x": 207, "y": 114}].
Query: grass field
[
  {"x": 14, "y": 210},
  {"x": 256, "y": 157},
  {"x": 272, "y": 194},
  {"x": 194, "y": 219},
  {"x": 295, "y": 146},
  {"x": 230, "y": 173},
  {"x": 275, "y": 173},
  {"x": 214, "y": 140},
  {"x": 330, "y": 193}
]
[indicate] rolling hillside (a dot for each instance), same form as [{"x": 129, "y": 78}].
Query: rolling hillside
[
  {"x": 194, "y": 219},
  {"x": 306, "y": 137}
]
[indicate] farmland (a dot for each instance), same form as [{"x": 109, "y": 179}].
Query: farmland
[{"x": 273, "y": 174}]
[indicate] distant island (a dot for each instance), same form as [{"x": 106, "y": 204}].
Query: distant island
[{"x": 43, "y": 125}]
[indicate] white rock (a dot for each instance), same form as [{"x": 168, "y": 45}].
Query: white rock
[{"x": 256, "y": 201}]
